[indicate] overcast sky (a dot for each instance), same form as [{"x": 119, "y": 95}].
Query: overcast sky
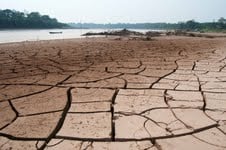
[{"x": 114, "y": 11}]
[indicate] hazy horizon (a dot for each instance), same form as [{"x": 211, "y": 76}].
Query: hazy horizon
[{"x": 123, "y": 11}]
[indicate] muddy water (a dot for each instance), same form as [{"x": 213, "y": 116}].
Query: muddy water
[{"x": 7, "y": 36}]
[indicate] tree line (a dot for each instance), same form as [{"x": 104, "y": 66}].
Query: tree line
[
  {"x": 10, "y": 19},
  {"x": 188, "y": 25}
]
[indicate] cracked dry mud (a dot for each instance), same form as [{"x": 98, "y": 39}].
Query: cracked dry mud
[{"x": 166, "y": 94}]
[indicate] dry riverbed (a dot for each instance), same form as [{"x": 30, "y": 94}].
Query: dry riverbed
[{"x": 165, "y": 94}]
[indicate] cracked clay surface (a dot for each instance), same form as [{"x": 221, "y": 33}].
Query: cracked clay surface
[{"x": 104, "y": 94}]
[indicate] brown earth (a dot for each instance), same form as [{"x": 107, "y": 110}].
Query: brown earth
[{"x": 164, "y": 94}]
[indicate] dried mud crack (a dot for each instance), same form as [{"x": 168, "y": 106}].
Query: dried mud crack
[{"x": 169, "y": 93}]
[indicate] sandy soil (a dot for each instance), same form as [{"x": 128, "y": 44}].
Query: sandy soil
[{"x": 106, "y": 94}]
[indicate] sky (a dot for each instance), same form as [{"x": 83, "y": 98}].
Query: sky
[{"x": 126, "y": 11}]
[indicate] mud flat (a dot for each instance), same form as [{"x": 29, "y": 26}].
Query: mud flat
[{"x": 164, "y": 94}]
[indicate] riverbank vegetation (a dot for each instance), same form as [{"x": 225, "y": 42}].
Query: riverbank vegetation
[
  {"x": 191, "y": 25},
  {"x": 11, "y": 19}
]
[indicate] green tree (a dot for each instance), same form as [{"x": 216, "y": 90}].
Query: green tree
[
  {"x": 222, "y": 20},
  {"x": 15, "y": 19}
]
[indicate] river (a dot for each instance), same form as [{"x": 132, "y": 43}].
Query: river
[{"x": 7, "y": 36}]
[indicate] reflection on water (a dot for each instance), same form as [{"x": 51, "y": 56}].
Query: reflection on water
[{"x": 7, "y": 36}]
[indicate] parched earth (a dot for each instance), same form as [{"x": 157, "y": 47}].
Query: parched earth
[{"x": 105, "y": 94}]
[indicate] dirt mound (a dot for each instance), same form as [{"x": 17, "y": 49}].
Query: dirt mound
[{"x": 123, "y": 32}]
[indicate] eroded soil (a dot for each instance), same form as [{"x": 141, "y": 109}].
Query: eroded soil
[{"x": 165, "y": 94}]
